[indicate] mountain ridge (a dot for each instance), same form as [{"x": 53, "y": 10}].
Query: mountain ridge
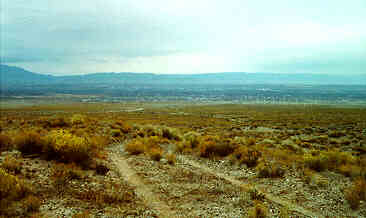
[{"x": 16, "y": 75}]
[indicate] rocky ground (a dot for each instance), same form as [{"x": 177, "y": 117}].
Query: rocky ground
[{"x": 125, "y": 185}]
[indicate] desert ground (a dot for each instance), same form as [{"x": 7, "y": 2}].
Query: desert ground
[{"x": 181, "y": 159}]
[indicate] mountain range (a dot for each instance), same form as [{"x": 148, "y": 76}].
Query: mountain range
[{"x": 10, "y": 75}]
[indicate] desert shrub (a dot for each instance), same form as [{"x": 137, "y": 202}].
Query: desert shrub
[
  {"x": 267, "y": 170},
  {"x": 77, "y": 119},
  {"x": 135, "y": 146},
  {"x": 317, "y": 163},
  {"x": 64, "y": 146},
  {"x": 55, "y": 122},
  {"x": 123, "y": 127},
  {"x": 356, "y": 193},
  {"x": 62, "y": 173},
  {"x": 291, "y": 145},
  {"x": 215, "y": 146},
  {"x": 11, "y": 189},
  {"x": 331, "y": 160},
  {"x": 258, "y": 211},
  {"x": 84, "y": 214},
  {"x": 5, "y": 142},
  {"x": 314, "y": 179},
  {"x": 29, "y": 142},
  {"x": 155, "y": 153},
  {"x": 351, "y": 170},
  {"x": 116, "y": 133},
  {"x": 191, "y": 140},
  {"x": 31, "y": 204},
  {"x": 171, "y": 158},
  {"x": 11, "y": 165},
  {"x": 336, "y": 133},
  {"x": 251, "y": 141},
  {"x": 170, "y": 133},
  {"x": 247, "y": 155},
  {"x": 284, "y": 212},
  {"x": 149, "y": 130},
  {"x": 116, "y": 195}
]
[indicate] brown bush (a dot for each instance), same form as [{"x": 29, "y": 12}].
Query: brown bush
[
  {"x": 267, "y": 170},
  {"x": 258, "y": 211},
  {"x": 156, "y": 154},
  {"x": 247, "y": 155},
  {"x": 11, "y": 165},
  {"x": 5, "y": 142},
  {"x": 171, "y": 158},
  {"x": 84, "y": 214},
  {"x": 11, "y": 189},
  {"x": 215, "y": 146},
  {"x": 62, "y": 173},
  {"x": 356, "y": 193},
  {"x": 135, "y": 146},
  {"x": 29, "y": 142},
  {"x": 31, "y": 204}
]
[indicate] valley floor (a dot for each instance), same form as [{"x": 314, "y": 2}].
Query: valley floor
[{"x": 175, "y": 159}]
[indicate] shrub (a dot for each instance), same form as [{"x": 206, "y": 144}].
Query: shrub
[
  {"x": 350, "y": 170},
  {"x": 135, "y": 146},
  {"x": 317, "y": 163},
  {"x": 29, "y": 142},
  {"x": 191, "y": 140},
  {"x": 171, "y": 134},
  {"x": 214, "y": 146},
  {"x": 356, "y": 193},
  {"x": 61, "y": 173},
  {"x": 11, "y": 189},
  {"x": 63, "y": 145},
  {"x": 84, "y": 214},
  {"x": 77, "y": 119},
  {"x": 258, "y": 211},
  {"x": 248, "y": 156},
  {"x": 31, "y": 204},
  {"x": 149, "y": 130},
  {"x": 11, "y": 165},
  {"x": 5, "y": 142},
  {"x": 171, "y": 158},
  {"x": 156, "y": 154},
  {"x": 58, "y": 122},
  {"x": 266, "y": 170}
]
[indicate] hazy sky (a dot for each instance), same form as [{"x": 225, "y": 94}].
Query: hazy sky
[{"x": 185, "y": 36}]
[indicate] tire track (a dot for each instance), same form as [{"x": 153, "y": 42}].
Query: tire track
[
  {"x": 142, "y": 191},
  {"x": 236, "y": 182}
]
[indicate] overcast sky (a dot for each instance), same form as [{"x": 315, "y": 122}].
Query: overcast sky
[{"x": 186, "y": 36}]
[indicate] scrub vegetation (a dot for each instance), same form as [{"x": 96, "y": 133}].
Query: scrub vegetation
[{"x": 66, "y": 153}]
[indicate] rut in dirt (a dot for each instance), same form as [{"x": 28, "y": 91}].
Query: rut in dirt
[
  {"x": 142, "y": 191},
  {"x": 239, "y": 183}
]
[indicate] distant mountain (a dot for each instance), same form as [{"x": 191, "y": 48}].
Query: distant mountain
[{"x": 18, "y": 77}]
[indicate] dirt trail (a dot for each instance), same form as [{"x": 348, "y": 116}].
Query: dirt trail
[
  {"x": 236, "y": 182},
  {"x": 144, "y": 192}
]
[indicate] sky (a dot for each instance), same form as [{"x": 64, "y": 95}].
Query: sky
[{"x": 192, "y": 36}]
